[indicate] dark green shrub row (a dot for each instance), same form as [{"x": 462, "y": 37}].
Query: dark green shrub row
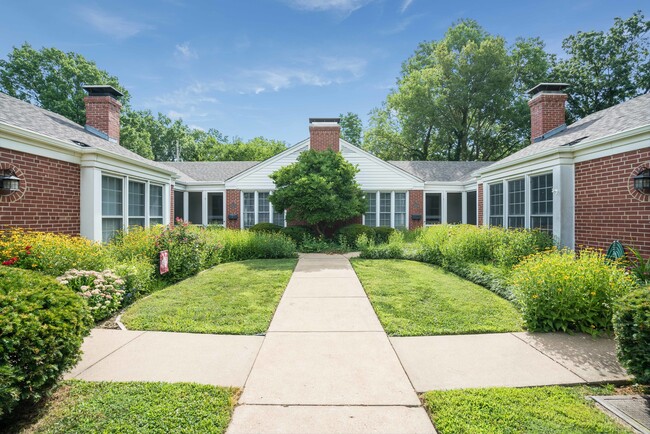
[
  {"x": 266, "y": 227},
  {"x": 632, "y": 327},
  {"x": 42, "y": 326},
  {"x": 376, "y": 234}
]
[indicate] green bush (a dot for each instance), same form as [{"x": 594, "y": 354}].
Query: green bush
[
  {"x": 297, "y": 233},
  {"x": 137, "y": 242},
  {"x": 102, "y": 290},
  {"x": 42, "y": 325},
  {"x": 138, "y": 275},
  {"x": 236, "y": 245},
  {"x": 382, "y": 234},
  {"x": 393, "y": 249},
  {"x": 186, "y": 248},
  {"x": 352, "y": 232},
  {"x": 558, "y": 290},
  {"x": 266, "y": 227},
  {"x": 632, "y": 327}
]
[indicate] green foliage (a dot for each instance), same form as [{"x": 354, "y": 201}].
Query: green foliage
[
  {"x": 185, "y": 249},
  {"x": 137, "y": 242},
  {"x": 234, "y": 298},
  {"x": 234, "y": 245},
  {"x": 393, "y": 248},
  {"x": 266, "y": 227},
  {"x": 639, "y": 266},
  {"x": 525, "y": 410},
  {"x": 558, "y": 290},
  {"x": 43, "y": 325},
  {"x": 632, "y": 327},
  {"x": 320, "y": 189},
  {"x": 111, "y": 407},
  {"x": 606, "y": 68},
  {"x": 352, "y": 232},
  {"x": 53, "y": 79},
  {"x": 139, "y": 278},
  {"x": 351, "y": 128},
  {"x": 102, "y": 290},
  {"x": 297, "y": 233}
]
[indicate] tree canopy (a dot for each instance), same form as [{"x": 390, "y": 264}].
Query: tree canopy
[
  {"x": 351, "y": 128},
  {"x": 319, "y": 189}
]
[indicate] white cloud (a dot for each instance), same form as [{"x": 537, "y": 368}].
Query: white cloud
[
  {"x": 112, "y": 25},
  {"x": 173, "y": 114},
  {"x": 343, "y": 6},
  {"x": 185, "y": 52},
  {"x": 405, "y": 5}
]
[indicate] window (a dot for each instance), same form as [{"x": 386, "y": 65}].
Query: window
[
  {"x": 136, "y": 203},
  {"x": 215, "y": 208},
  {"x": 371, "y": 210},
  {"x": 400, "y": 210},
  {"x": 249, "y": 209},
  {"x": 541, "y": 202},
  {"x": 384, "y": 209},
  {"x": 454, "y": 208},
  {"x": 517, "y": 203},
  {"x": 263, "y": 207},
  {"x": 496, "y": 204},
  {"x": 471, "y": 208},
  {"x": 278, "y": 218},
  {"x": 155, "y": 205},
  {"x": 433, "y": 208},
  {"x": 112, "y": 201}
]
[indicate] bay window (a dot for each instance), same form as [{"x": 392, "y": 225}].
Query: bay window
[
  {"x": 112, "y": 202},
  {"x": 136, "y": 203},
  {"x": 541, "y": 202},
  {"x": 517, "y": 203},
  {"x": 155, "y": 205}
]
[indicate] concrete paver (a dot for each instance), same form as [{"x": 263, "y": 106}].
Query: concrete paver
[
  {"x": 328, "y": 369},
  {"x": 175, "y": 357},
  {"x": 272, "y": 419},
  {"x": 591, "y": 358},
  {"x": 333, "y": 287},
  {"x": 488, "y": 360},
  {"x": 324, "y": 315}
]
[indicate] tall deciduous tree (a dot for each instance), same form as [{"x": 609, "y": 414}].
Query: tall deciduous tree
[
  {"x": 319, "y": 189},
  {"x": 606, "y": 68},
  {"x": 351, "y": 128},
  {"x": 460, "y": 98}
]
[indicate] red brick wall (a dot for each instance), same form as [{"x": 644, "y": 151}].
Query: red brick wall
[
  {"x": 416, "y": 201},
  {"x": 546, "y": 113},
  {"x": 322, "y": 138},
  {"x": 479, "y": 208},
  {"x": 233, "y": 206},
  {"x": 49, "y": 196},
  {"x": 103, "y": 113},
  {"x": 607, "y": 207}
]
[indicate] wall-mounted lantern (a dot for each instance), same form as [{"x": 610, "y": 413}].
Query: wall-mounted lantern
[
  {"x": 642, "y": 182},
  {"x": 9, "y": 182}
]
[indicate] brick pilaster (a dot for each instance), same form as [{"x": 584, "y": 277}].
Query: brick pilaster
[
  {"x": 416, "y": 206},
  {"x": 233, "y": 206}
]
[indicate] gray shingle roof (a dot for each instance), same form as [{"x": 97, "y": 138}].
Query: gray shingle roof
[
  {"x": 631, "y": 114},
  {"x": 30, "y": 117},
  {"x": 441, "y": 171},
  {"x": 217, "y": 171}
]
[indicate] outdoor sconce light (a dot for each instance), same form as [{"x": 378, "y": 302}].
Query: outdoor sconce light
[
  {"x": 642, "y": 182},
  {"x": 9, "y": 182}
]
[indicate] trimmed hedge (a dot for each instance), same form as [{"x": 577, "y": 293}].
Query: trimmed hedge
[
  {"x": 42, "y": 324},
  {"x": 632, "y": 327},
  {"x": 352, "y": 232}
]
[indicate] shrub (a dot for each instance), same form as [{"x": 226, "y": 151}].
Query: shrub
[
  {"x": 352, "y": 232},
  {"x": 43, "y": 325},
  {"x": 266, "y": 227},
  {"x": 393, "y": 249},
  {"x": 138, "y": 275},
  {"x": 137, "y": 242},
  {"x": 186, "y": 249},
  {"x": 52, "y": 254},
  {"x": 235, "y": 245},
  {"x": 639, "y": 266},
  {"x": 558, "y": 290},
  {"x": 382, "y": 234},
  {"x": 297, "y": 233},
  {"x": 632, "y": 327},
  {"x": 103, "y": 291}
]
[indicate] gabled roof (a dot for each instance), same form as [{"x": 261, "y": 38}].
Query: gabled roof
[
  {"x": 210, "y": 171},
  {"x": 27, "y": 116},
  {"x": 441, "y": 171},
  {"x": 628, "y": 115}
]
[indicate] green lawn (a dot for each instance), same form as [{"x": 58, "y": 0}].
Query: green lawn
[
  {"x": 529, "y": 410},
  {"x": 416, "y": 299},
  {"x": 232, "y": 298},
  {"x": 91, "y": 407}
]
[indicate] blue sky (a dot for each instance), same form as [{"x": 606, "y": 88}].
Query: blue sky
[{"x": 251, "y": 68}]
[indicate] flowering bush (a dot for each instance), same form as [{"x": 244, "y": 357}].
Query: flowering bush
[
  {"x": 102, "y": 290},
  {"x": 137, "y": 242},
  {"x": 50, "y": 253},
  {"x": 559, "y": 290},
  {"x": 186, "y": 248}
]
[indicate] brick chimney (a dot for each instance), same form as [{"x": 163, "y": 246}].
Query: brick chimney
[
  {"x": 103, "y": 111},
  {"x": 324, "y": 133},
  {"x": 546, "y": 109}
]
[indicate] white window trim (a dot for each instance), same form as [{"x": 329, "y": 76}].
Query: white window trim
[
  {"x": 256, "y": 207},
  {"x": 377, "y": 212}
]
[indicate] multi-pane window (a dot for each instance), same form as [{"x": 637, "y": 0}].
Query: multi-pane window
[
  {"x": 249, "y": 209},
  {"x": 278, "y": 218},
  {"x": 384, "y": 209},
  {"x": 215, "y": 208},
  {"x": 400, "y": 210},
  {"x": 517, "y": 203},
  {"x": 263, "y": 207},
  {"x": 112, "y": 203},
  {"x": 496, "y": 204},
  {"x": 541, "y": 202},
  {"x": 136, "y": 203},
  {"x": 155, "y": 205},
  {"x": 433, "y": 204},
  {"x": 371, "y": 209}
]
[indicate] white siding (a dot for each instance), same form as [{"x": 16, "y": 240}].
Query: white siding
[
  {"x": 375, "y": 174},
  {"x": 258, "y": 177}
]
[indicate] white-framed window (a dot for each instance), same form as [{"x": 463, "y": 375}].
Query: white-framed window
[
  {"x": 155, "y": 204},
  {"x": 541, "y": 202},
  {"x": 387, "y": 209},
  {"x": 136, "y": 203},
  {"x": 517, "y": 203},
  {"x": 112, "y": 206},
  {"x": 433, "y": 208},
  {"x": 258, "y": 209},
  {"x": 496, "y": 204}
]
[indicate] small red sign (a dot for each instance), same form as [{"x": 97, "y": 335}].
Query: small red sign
[{"x": 164, "y": 262}]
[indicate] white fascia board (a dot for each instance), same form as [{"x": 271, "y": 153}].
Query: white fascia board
[
  {"x": 631, "y": 140},
  {"x": 121, "y": 168},
  {"x": 438, "y": 186},
  {"x": 532, "y": 166},
  {"x": 265, "y": 163},
  {"x": 203, "y": 186},
  {"x": 418, "y": 183}
]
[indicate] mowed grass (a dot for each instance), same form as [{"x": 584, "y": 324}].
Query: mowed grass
[
  {"x": 103, "y": 407},
  {"x": 416, "y": 299},
  {"x": 232, "y": 298},
  {"x": 529, "y": 410}
]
